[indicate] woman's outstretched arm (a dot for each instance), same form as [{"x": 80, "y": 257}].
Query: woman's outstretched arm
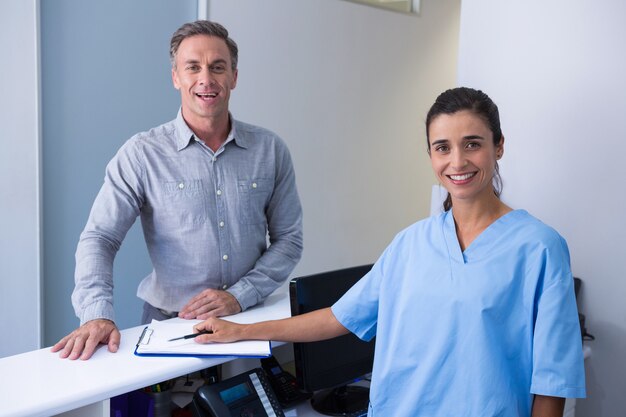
[
  {"x": 544, "y": 406},
  {"x": 310, "y": 327}
]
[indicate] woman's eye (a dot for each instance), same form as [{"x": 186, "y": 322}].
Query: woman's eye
[
  {"x": 441, "y": 148},
  {"x": 473, "y": 145}
]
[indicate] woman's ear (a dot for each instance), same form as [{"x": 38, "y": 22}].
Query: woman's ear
[{"x": 500, "y": 148}]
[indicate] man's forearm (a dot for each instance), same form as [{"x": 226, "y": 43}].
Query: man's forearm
[{"x": 93, "y": 293}]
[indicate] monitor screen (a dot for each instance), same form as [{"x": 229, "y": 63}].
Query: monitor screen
[{"x": 334, "y": 363}]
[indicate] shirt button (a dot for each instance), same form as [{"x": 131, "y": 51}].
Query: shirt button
[
  {"x": 224, "y": 286},
  {"x": 181, "y": 185},
  {"x": 214, "y": 159},
  {"x": 225, "y": 257},
  {"x": 221, "y": 224},
  {"x": 254, "y": 185},
  {"x": 219, "y": 192}
]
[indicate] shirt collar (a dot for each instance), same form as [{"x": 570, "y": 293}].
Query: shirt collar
[{"x": 185, "y": 136}]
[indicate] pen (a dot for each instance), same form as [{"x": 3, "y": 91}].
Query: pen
[{"x": 191, "y": 336}]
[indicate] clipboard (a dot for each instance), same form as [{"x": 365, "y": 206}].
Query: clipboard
[{"x": 154, "y": 341}]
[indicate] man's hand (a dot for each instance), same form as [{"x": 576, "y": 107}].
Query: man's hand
[
  {"x": 210, "y": 303},
  {"x": 82, "y": 342}
]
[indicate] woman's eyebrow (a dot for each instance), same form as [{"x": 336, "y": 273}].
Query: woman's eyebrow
[
  {"x": 465, "y": 138},
  {"x": 439, "y": 142}
]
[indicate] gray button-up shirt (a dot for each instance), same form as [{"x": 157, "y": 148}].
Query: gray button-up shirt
[{"x": 206, "y": 218}]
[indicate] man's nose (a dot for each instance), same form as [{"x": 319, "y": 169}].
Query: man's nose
[{"x": 206, "y": 77}]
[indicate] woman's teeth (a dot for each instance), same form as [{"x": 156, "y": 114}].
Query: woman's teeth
[{"x": 462, "y": 177}]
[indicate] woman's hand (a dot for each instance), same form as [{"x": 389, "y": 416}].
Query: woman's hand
[{"x": 219, "y": 331}]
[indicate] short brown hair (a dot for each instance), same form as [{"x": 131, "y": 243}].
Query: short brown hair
[{"x": 203, "y": 27}]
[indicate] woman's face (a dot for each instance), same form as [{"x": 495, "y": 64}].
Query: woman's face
[{"x": 463, "y": 155}]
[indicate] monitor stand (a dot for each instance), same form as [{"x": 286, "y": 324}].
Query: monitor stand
[{"x": 341, "y": 401}]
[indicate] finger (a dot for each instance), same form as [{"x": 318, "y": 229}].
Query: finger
[
  {"x": 202, "y": 311},
  {"x": 90, "y": 347},
  {"x": 223, "y": 308},
  {"x": 77, "y": 349},
  {"x": 204, "y": 338},
  {"x": 189, "y": 309},
  {"x": 59, "y": 345},
  {"x": 205, "y": 325},
  {"x": 195, "y": 301},
  {"x": 114, "y": 340},
  {"x": 67, "y": 349},
  {"x": 207, "y": 296},
  {"x": 210, "y": 310},
  {"x": 185, "y": 310}
]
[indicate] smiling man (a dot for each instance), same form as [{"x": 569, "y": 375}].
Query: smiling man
[{"x": 209, "y": 190}]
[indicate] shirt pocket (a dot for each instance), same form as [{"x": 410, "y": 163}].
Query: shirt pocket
[
  {"x": 184, "y": 200},
  {"x": 254, "y": 195}
]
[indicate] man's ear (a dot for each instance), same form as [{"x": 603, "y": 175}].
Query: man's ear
[
  {"x": 235, "y": 74},
  {"x": 175, "y": 79}
]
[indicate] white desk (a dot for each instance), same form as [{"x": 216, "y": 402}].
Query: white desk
[{"x": 39, "y": 383}]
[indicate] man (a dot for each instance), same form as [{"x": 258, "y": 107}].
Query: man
[{"x": 208, "y": 190}]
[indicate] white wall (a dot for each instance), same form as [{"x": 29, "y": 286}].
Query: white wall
[
  {"x": 347, "y": 86},
  {"x": 20, "y": 317},
  {"x": 557, "y": 71}
]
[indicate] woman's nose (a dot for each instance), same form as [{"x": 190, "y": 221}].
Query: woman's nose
[{"x": 459, "y": 160}]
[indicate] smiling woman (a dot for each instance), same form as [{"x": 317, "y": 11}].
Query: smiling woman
[
  {"x": 463, "y": 154},
  {"x": 463, "y": 129}
]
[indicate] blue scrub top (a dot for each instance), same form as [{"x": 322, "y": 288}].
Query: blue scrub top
[{"x": 469, "y": 333}]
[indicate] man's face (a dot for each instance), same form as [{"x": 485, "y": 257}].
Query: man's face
[{"x": 203, "y": 74}]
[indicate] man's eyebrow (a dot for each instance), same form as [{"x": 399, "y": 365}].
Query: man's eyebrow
[
  {"x": 195, "y": 61},
  {"x": 219, "y": 61}
]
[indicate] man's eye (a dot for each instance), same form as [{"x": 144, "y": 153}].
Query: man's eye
[
  {"x": 218, "y": 69},
  {"x": 192, "y": 68}
]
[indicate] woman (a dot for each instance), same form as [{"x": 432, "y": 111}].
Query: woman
[{"x": 474, "y": 309}]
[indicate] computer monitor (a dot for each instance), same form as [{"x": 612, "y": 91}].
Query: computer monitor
[{"x": 326, "y": 368}]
